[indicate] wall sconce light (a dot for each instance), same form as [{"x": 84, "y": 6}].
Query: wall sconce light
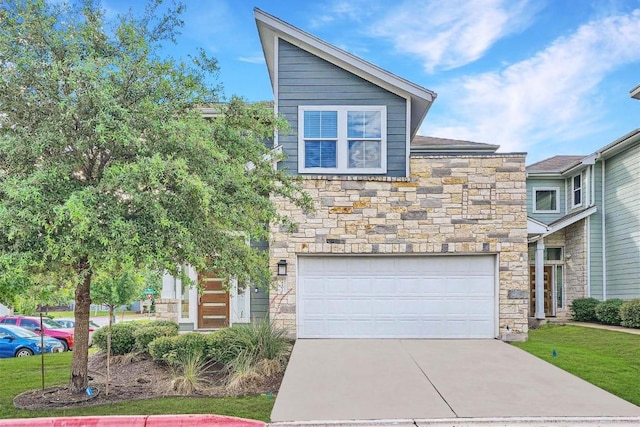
[{"x": 282, "y": 267}]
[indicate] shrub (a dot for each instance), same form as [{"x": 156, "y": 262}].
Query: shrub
[
  {"x": 608, "y": 312},
  {"x": 122, "y": 338},
  {"x": 145, "y": 335},
  {"x": 190, "y": 372},
  {"x": 163, "y": 323},
  {"x": 161, "y": 347},
  {"x": 584, "y": 309},
  {"x": 630, "y": 313},
  {"x": 261, "y": 340},
  {"x": 170, "y": 348}
]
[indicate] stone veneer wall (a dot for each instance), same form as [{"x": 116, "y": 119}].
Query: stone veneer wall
[
  {"x": 450, "y": 204},
  {"x": 575, "y": 251},
  {"x": 167, "y": 309}
]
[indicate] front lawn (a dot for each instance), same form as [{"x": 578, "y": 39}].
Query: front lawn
[
  {"x": 19, "y": 375},
  {"x": 610, "y": 360}
]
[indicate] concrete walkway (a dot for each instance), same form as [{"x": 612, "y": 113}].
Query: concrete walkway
[
  {"x": 598, "y": 326},
  {"x": 432, "y": 379}
]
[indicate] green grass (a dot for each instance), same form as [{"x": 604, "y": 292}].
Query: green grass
[
  {"x": 608, "y": 359},
  {"x": 19, "y": 375}
]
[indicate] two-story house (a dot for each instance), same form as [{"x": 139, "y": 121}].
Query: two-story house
[
  {"x": 584, "y": 227},
  {"x": 411, "y": 236}
]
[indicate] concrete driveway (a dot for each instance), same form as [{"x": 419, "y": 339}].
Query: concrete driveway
[{"x": 427, "y": 379}]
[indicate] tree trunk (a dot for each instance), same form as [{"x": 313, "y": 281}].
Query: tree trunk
[{"x": 79, "y": 369}]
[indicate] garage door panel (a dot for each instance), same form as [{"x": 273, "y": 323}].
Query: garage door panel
[{"x": 395, "y": 297}]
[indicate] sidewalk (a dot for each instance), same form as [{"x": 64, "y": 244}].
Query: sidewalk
[{"x": 597, "y": 326}]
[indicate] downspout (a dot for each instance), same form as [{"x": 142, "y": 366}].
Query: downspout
[
  {"x": 604, "y": 237},
  {"x": 539, "y": 279}
]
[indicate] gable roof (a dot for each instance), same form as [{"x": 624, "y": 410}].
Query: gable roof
[
  {"x": 270, "y": 28},
  {"x": 433, "y": 145},
  {"x": 555, "y": 164}
]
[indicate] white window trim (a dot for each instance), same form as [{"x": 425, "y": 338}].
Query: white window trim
[
  {"x": 342, "y": 140},
  {"x": 573, "y": 191},
  {"x": 535, "y": 207}
]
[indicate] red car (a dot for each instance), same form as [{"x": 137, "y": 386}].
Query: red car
[{"x": 48, "y": 327}]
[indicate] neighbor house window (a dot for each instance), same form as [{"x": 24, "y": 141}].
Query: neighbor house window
[
  {"x": 546, "y": 200},
  {"x": 577, "y": 190},
  {"x": 342, "y": 139}
]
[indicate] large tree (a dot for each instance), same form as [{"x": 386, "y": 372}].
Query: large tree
[{"x": 106, "y": 159}]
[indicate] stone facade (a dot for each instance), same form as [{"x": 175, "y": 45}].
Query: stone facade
[
  {"x": 449, "y": 204},
  {"x": 575, "y": 262},
  {"x": 167, "y": 309}
]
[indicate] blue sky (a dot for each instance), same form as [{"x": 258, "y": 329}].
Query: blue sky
[{"x": 547, "y": 77}]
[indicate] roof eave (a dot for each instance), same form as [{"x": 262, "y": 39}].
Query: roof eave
[
  {"x": 544, "y": 174},
  {"x": 635, "y": 92},
  {"x": 619, "y": 145},
  {"x": 268, "y": 26}
]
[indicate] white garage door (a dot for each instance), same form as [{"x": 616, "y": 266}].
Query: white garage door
[{"x": 396, "y": 297}]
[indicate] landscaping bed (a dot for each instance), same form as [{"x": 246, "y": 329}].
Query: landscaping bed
[{"x": 239, "y": 361}]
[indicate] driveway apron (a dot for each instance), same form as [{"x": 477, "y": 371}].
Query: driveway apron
[{"x": 427, "y": 379}]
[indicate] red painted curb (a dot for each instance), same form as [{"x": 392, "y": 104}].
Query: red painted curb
[
  {"x": 200, "y": 420},
  {"x": 134, "y": 421},
  {"x": 110, "y": 421}
]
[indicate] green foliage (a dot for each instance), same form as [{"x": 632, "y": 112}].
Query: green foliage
[
  {"x": 630, "y": 313},
  {"x": 117, "y": 289},
  {"x": 145, "y": 335},
  {"x": 260, "y": 340},
  {"x": 584, "y": 309},
  {"x": 160, "y": 348},
  {"x": 123, "y": 339},
  {"x": 164, "y": 323},
  {"x": 607, "y": 359},
  {"x": 608, "y": 312},
  {"x": 168, "y": 349},
  {"x": 108, "y": 166},
  {"x": 190, "y": 371},
  {"x": 21, "y": 375}
]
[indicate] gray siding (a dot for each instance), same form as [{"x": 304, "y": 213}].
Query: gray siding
[
  {"x": 595, "y": 236},
  {"x": 547, "y": 183},
  {"x": 622, "y": 222},
  {"x": 259, "y": 304},
  {"x": 305, "y": 79}
]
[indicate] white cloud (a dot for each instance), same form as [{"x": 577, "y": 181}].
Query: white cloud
[
  {"x": 450, "y": 34},
  {"x": 341, "y": 10},
  {"x": 256, "y": 59},
  {"x": 552, "y": 96}
]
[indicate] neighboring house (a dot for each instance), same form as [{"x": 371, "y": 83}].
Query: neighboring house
[
  {"x": 411, "y": 237},
  {"x": 584, "y": 227}
]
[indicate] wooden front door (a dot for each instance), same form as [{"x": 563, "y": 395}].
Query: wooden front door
[
  {"x": 213, "y": 304},
  {"x": 548, "y": 291}
]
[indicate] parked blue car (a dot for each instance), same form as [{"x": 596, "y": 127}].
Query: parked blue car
[{"x": 19, "y": 342}]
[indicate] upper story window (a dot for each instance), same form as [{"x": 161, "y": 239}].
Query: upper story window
[
  {"x": 545, "y": 200},
  {"x": 576, "y": 186},
  {"x": 342, "y": 139}
]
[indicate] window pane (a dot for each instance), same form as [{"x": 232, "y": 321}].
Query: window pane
[
  {"x": 546, "y": 200},
  {"x": 364, "y": 154},
  {"x": 559, "y": 286},
  {"x": 319, "y": 154},
  {"x": 320, "y": 124},
  {"x": 553, "y": 254},
  {"x": 364, "y": 124}
]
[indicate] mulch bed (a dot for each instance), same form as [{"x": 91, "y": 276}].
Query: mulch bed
[{"x": 132, "y": 378}]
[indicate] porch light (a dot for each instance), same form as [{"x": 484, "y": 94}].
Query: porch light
[{"x": 282, "y": 267}]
